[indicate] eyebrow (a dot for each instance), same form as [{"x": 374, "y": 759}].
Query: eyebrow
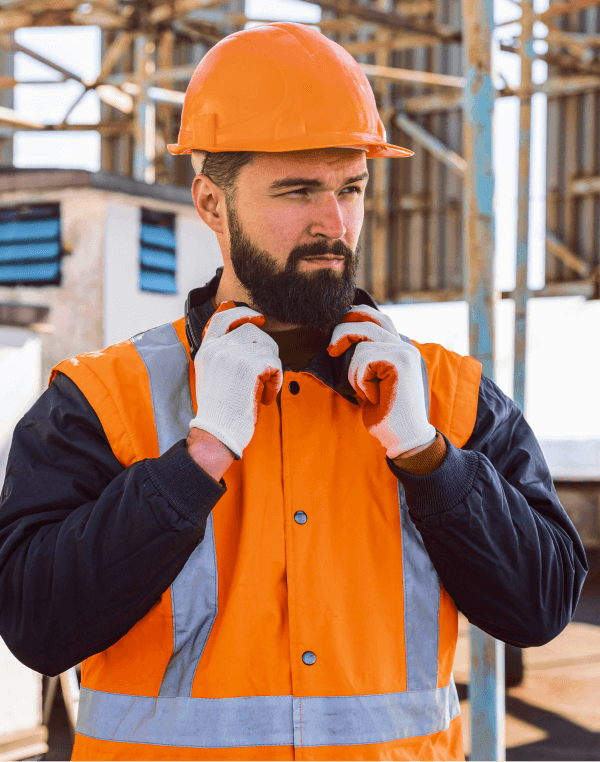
[{"x": 292, "y": 182}]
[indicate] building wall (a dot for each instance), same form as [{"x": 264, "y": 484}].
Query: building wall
[
  {"x": 127, "y": 309},
  {"x": 75, "y": 305}
]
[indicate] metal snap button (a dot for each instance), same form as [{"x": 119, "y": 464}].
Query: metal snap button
[{"x": 308, "y": 657}]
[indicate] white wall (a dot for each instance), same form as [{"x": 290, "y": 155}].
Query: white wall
[
  {"x": 20, "y": 382},
  {"x": 127, "y": 309}
]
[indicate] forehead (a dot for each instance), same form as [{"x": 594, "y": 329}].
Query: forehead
[{"x": 317, "y": 163}]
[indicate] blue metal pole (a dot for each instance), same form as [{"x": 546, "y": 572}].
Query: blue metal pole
[{"x": 486, "y": 687}]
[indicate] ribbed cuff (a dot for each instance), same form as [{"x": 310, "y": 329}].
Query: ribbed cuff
[
  {"x": 444, "y": 488},
  {"x": 427, "y": 461},
  {"x": 187, "y": 487}
]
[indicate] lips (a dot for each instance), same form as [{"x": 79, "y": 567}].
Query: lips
[{"x": 327, "y": 259}]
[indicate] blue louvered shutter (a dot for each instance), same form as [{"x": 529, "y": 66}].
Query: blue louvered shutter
[
  {"x": 158, "y": 250},
  {"x": 30, "y": 245}
]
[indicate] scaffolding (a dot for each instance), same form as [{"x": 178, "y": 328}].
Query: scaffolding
[{"x": 428, "y": 234}]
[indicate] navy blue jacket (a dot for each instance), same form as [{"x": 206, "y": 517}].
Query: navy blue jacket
[{"x": 87, "y": 547}]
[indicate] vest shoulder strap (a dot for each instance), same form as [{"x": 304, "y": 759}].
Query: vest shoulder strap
[
  {"x": 453, "y": 391},
  {"x": 115, "y": 383}
]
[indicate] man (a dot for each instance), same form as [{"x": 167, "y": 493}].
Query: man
[{"x": 250, "y": 580}]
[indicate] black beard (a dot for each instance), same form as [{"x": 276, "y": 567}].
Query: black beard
[{"x": 317, "y": 299}]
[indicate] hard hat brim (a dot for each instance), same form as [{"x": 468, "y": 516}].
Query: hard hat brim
[{"x": 374, "y": 150}]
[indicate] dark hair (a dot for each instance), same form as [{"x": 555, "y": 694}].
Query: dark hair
[{"x": 224, "y": 167}]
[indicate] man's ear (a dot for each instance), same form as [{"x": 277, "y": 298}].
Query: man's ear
[{"x": 209, "y": 200}]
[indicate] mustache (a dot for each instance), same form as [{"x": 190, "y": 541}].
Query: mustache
[{"x": 321, "y": 249}]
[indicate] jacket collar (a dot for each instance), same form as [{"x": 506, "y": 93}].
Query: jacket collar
[{"x": 332, "y": 371}]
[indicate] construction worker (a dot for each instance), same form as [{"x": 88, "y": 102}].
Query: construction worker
[{"x": 254, "y": 526}]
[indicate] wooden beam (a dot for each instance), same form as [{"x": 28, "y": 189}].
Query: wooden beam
[
  {"x": 560, "y": 9},
  {"x": 410, "y": 75},
  {"x": 420, "y": 297},
  {"x": 175, "y": 8},
  {"x": 580, "y": 83},
  {"x": 569, "y": 61},
  {"x": 388, "y": 18},
  {"x": 584, "y": 186},
  {"x": 12, "y": 118},
  {"x": 438, "y": 101},
  {"x": 451, "y": 159},
  {"x": 570, "y": 38},
  {"x": 7, "y": 83},
  {"x": 113, "y": 55},
  {"x": 558, "y": 249},
  {"x": 11, "y": 44},
  {"x": 399, "y": 42}
]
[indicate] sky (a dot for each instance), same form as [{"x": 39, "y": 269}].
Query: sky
[{"x": 563, "y": 361}]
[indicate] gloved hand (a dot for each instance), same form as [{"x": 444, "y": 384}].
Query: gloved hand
[
  {"x": 385, "y": 372},
  {"x": 237, "y": 367}
]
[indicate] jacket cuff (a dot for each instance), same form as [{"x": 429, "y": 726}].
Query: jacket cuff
[
  {"x": 186, "y": 486},
  {"x": 442, "y": 489}
]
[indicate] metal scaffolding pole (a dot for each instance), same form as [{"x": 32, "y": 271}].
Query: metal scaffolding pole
[
  {"x": 526, "y": 55},
  {"x": 144, "y": 113},
  {"x": 486, "y": 688}
]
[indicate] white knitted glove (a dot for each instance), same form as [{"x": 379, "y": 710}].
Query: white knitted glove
[
  {"x": 237, "y": 367},
  {"x": 385, "y": 372}
]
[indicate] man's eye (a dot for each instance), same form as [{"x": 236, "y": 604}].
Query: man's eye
[{"x": 356, "y": 188}]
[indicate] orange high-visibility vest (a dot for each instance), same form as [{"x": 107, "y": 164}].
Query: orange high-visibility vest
[{"x": 310, "y": 622}]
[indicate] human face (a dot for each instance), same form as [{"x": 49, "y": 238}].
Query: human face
[{"x": 290, "y": 207}]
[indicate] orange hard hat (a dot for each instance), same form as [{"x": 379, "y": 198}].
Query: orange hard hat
[{"x": 280, "y": 87}]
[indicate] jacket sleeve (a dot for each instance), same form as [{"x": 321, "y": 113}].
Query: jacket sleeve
[
  {"x": 87, "y": 547},
  {"x": 495, "y": 531}
]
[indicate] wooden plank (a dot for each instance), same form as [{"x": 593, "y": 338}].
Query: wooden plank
[
  {"x": 560, "y": 9},
  {"x": 429, "y": 295},
  {"x": 444, "y": 154},
  {"x": 439, "y": 101},
  {"x": 21, "y": 744},
  {"x": 115, "y": 51},
  {"x": 406, "y": 41},
  {"x": 585, "y": 186},
  {"x": 566, "y": 255},
  {"x": 409, "y": 75},
  {"x": 579, "y": 83},
  {"x": 12, "y": 118},
  {"x": 387, "y": 18}
]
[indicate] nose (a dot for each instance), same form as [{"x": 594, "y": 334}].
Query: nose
[{"x": 328, "y": 220}]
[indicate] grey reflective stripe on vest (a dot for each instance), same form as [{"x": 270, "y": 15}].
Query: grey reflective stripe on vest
[
  {"x": 421, "y": 594},
  {"x": 265, "y": 720},
  {"x": 168, "y": 371}
]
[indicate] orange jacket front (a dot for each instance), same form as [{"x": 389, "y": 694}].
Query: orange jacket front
[{"x": 309, "y": 553}]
